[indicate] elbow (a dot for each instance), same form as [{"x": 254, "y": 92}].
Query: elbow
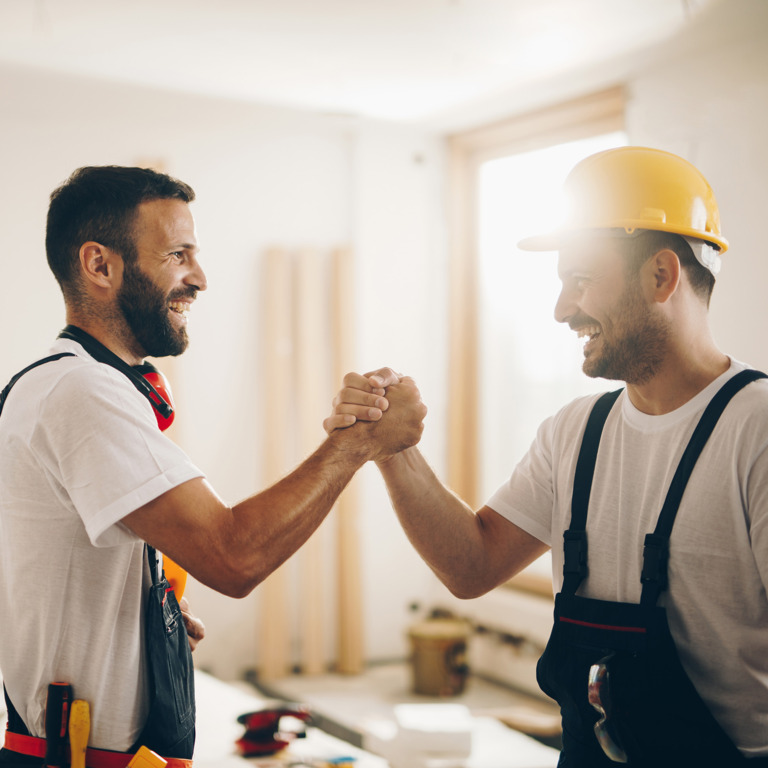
[
  {"x": 236, "y": 591},
  {"x": 239, "y": 583},
  {"x": 463, "y": 589},
  {"x": 465, "y": 592},
  {"x": 233, "y": 577}
]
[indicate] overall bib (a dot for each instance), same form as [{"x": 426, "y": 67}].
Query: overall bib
[
  {"x": 613, "y": 667},
  {"x": 170, "y": 725}
]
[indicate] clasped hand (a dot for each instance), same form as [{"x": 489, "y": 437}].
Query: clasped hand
[{"x": 386, "y": 409}]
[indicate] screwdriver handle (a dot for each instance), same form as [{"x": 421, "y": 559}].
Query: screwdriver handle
[
  {"x": 56, "y": 724},
  {"x": 79, "y": 729},
  {"x": 146, "y": 758}
]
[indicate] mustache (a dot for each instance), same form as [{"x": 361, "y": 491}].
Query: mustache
[
  {"x": 183, "y": 293},
  {"x": 579, "y": 321}
]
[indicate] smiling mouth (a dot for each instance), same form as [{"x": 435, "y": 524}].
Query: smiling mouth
[
  {"x": 588, "y": 333},
  {"x": 180, "y": 307}
]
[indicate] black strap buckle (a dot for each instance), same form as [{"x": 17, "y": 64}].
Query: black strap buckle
[
  {"x": 575, "y": 554},
  {"x": 655, "y": 558}
]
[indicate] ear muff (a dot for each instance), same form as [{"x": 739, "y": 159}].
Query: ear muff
[{"x": 163, "y": 388}]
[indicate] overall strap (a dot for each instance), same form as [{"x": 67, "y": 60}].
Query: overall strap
[
  {"x": 154, "y": 563},
  {"x": 104, "y": 355},
  {"x": 575, "y": 538},
  {"x": 656, "y": 548},
  {"x": 9, "y": 386}
]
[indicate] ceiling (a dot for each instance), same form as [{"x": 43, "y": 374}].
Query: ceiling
[{"x": 404, "y": 60}]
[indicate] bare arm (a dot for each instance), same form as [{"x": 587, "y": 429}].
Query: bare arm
[
  {"x": 234, "y": 548},
  {"x": 470, "y": 552}
]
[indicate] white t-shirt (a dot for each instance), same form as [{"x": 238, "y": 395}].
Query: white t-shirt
[
  {"x": 718, "y": 567},
  {"x": 79, "y": 450}
]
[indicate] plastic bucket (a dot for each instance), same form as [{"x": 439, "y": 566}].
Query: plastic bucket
[{"x": 439, "y": 656}]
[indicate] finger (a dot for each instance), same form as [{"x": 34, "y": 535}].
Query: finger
[
  {"x": 195, "y": 627},
  {"x": 357, "y": 381},
  {"x": 338, "y": 421},
  {"x": 382, "y": 378},
  {"x": 360, "y": 412},
  {"x": 354, "y": 398}
]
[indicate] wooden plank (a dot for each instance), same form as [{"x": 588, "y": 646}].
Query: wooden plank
[
  {"x": 311, "y": 343},
  {"x": 350, "y": 652},
  {"x": 274, "y": 627}
]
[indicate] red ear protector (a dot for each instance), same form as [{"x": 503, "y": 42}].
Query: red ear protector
[{"x": 162, "y": 388}]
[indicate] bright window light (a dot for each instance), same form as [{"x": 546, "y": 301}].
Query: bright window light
[{"x": 530, "y": 365}]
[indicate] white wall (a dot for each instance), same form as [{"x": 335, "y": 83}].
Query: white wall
[
  {"x": 706, "y": 97},
  {"x": 270, "y": 176}
]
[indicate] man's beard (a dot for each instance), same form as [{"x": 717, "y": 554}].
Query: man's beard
[
  {"x": 145, "y": 309},
  {"x": 638, "y": 344}
]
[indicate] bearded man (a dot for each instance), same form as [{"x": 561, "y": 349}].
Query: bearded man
[{"x": 91, "y": 491}]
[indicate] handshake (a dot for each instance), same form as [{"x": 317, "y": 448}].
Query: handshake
[{"x": 378, "y": 414}]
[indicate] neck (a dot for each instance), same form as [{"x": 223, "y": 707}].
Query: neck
[
  {"x": 119, "y": 343},
  {"x": 678, "y": 380}
]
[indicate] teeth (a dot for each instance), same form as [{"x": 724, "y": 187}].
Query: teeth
[
  {"x": 589, "y": 330},
  {"x": 181, "y": 307}
]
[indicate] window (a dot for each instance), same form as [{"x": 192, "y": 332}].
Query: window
[
  {"x": 529, "y": 365},
  {"x": 512, "y": 364}
]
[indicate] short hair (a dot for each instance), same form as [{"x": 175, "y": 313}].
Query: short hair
[
  {"x": 649, "y": 242},
  {"x": 100, "y": 203}
]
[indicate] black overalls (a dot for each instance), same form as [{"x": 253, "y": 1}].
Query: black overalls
[
  {"x": 170, "y": 725},
  {"x": 613, "y": 667}
]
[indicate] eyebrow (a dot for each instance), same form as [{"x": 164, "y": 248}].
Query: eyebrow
[{"x": 571, "y": 271}]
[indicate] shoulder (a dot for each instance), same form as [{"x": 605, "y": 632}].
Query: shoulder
[
  {"x": 749, "y": 406},
  {"x": 570, "y": 421},
  {"x": 75, "y": 387},
  {"x": 744, "y": 423}
]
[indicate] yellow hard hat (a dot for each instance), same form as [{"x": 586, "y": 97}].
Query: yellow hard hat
[{"x": 636, "y": 188}]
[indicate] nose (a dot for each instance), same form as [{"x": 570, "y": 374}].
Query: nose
[
  {"x": 196, "y": 277},
  {"x": 565, "y": 306}
]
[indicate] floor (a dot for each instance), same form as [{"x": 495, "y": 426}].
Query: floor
[{"x": 346, "y": 704}]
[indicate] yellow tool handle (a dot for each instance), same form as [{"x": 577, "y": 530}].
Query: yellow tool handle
[
  {"x": 79, "y": 729},
  {"x": 146, "y": 758}
]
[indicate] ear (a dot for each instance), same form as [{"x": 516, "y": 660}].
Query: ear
[
  {"x": 663, "y": 273},
  {"x": 101, "y": 267}
]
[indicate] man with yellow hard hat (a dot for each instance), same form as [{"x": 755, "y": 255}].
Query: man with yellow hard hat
[{"x": 652, "y": 498}]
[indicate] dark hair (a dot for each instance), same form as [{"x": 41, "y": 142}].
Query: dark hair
[
  {"x": 649, "y": 242},
  {"x": 100, "y": 203}
]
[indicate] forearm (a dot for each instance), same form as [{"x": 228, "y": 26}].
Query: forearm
[
  {"x": 232, "y": 549},
  {"x": 270, "y": 526},
  {"x": 444, "y": 530}
]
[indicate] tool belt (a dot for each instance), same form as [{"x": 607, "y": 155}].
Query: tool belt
[{"x": 94, "y": 758}]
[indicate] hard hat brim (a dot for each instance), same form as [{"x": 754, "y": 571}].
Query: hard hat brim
[
  {"x": 553, "y": 241},
  {"x": 549, "y": 242}
]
